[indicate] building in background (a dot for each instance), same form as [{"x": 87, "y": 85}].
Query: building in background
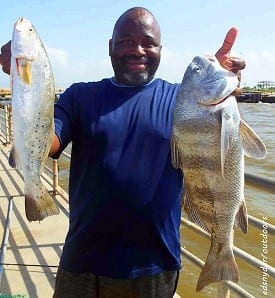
[{"x": 266, "y": 84}]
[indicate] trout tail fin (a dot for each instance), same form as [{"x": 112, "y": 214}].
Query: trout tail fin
[{"x": 38, "y": 203}]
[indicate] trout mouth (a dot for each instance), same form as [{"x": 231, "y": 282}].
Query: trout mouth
[{"x": 19, "y": 21}]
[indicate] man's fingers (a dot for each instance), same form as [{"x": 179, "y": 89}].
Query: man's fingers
[
  {"x": 5, "y": 57},
  {"x": 229, "y": 40},
  {"x": 237, "y": 92},
  {"x": 6, "y": 68},
  {"x": 224, "y": 52},
  {"x": 6, "y": 49},
  {"x": 237, "y": 63}
]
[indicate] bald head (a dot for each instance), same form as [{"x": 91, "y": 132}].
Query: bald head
[
  {"x": 135, "y": 47},
  {"x": 137, "y": 15}
]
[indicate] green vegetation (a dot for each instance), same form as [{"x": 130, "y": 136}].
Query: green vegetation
[{"x": 263, "y": 90}]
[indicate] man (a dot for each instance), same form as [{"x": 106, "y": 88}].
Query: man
[{"x": 125, "y": 196}]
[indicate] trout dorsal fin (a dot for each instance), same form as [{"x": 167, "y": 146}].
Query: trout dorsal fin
[{"x": 252, "y": 144}]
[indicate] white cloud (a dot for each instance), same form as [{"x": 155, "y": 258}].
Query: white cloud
[
  {"x": 67, "y": 69},
  {"x": 269, "y": 57},
  {"x": 57, "y": 56},
  {"x": 173, "y": 65},
  {"x": 259, "y": 66}
]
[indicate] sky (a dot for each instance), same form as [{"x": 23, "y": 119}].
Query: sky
[{"x": 76, "y": 34}]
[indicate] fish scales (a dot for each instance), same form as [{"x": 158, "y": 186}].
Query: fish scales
[
  {"x": 33, "y": 94},
  {"x": 208, "y": 143}
]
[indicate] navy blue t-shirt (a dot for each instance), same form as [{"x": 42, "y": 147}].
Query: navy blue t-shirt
[{"x": 124, "y": 194}]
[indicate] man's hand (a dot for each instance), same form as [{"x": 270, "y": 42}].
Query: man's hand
[
  {"x": 223, "y": 54},
  {"x": 5, "y": 57},
  {"x": 234, "y": 64}
]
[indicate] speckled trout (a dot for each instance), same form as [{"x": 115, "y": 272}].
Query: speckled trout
[
  {"x": 208, "y": 144},
  {"x": 33, "y": 93}
]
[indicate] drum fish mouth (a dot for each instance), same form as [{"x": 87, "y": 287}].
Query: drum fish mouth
[{"x": 216, "y": 103}]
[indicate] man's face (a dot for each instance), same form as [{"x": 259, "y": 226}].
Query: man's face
[{"x": 135, "y": 49}]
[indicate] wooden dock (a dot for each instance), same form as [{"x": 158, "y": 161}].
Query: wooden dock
[{"x": 33, "y": 249}]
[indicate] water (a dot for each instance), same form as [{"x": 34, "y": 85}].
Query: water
[
  {"x": 261, "y": 119},
  {"x": 259, "y": 204}
]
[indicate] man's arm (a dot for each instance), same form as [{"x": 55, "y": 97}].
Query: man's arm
[{"x": 55, "y": 145}]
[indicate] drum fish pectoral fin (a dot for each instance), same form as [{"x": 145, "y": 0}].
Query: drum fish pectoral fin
[
  {"x": 41, "y": 206},
  {"x": 252, "y": 144},
  {"x": 227, "y": 130}
]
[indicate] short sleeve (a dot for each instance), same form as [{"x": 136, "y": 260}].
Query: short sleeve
[{"x": 64, "y": 118}]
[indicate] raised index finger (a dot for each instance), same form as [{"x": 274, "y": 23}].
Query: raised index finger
[{"x": 228, "y": 41}]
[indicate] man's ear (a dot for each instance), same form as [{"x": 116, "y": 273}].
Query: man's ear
[{"x": 110, "y": 47}]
